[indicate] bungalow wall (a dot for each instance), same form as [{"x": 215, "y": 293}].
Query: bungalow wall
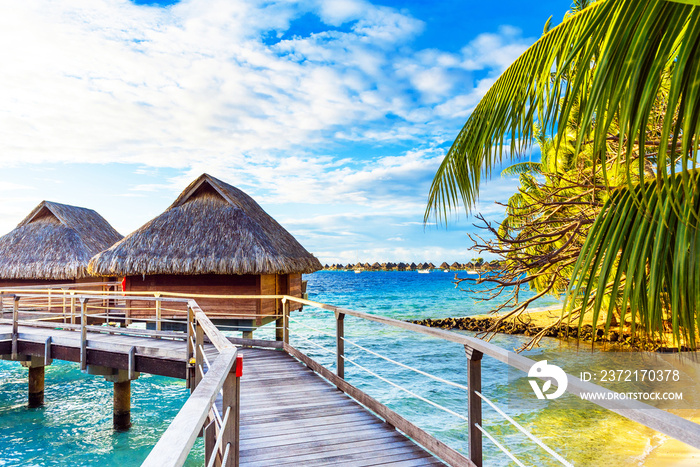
[
  {"x": 216, "y": 284},
  {"x": 4, "y": 283}
]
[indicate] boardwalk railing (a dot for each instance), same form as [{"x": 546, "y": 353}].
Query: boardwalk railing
[
  {"x": 221, "y": 430},
  {"x": 222, "y": 377},
  {"x": 475, "y": 349},
  {"x": 207, "y": 381}
]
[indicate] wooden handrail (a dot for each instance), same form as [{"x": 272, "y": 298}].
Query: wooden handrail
[
  {"x": 174, "y": 446},
  {"x": 657, "y": 419}
]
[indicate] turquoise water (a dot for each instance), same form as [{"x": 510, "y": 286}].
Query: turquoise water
[{"x": 74, "y": 428}]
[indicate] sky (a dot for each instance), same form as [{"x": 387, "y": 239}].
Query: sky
[{"x": 333, "y": 115}]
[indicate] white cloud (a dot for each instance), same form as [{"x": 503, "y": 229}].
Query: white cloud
[{"x": 227, "y": 88}]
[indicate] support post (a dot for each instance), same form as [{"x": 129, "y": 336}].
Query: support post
[
  {"x": 72, "y": 308},
  {"x": 63, "y": 305},
  {"x": 279, "y": 322},
  {"x": 15, "y": 326},
  {"x": 83, "y": 333},
  {"x": 285, "y": 320},
  {"x": 159, "y": 325},
  {"x": 190, "y": 348},
  {"x": 247, "y": 334},
  {"x": 198, "y": 354},
  {"x": 122, "y": 405},
  {"x": 232, "y": 398},
  {"x": 340, "y": 343},
  {"x": 36, "y": 386},
  {"x": 474, "y": 401}
]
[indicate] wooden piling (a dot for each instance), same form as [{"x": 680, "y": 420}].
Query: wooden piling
[
  {"x": 122, "y": 405},
  {"x": 36, "y": 387}
]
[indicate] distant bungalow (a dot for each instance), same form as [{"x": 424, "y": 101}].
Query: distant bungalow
[
  {"x": 53, "y": 245},
  {"x": 214, "y": 239}
]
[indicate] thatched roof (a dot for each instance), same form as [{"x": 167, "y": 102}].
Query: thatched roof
[
  {"x": 54, "y": 242},
  {"x": 211, "y": 228}
]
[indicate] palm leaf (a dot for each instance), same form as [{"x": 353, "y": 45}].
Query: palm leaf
[
  {"x": 611, "y": 60},
  {"x": 522, "y": 167},
  {"x": 651, "y": 253}
]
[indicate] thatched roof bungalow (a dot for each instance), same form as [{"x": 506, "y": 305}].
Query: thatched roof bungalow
[
  {"x": 54, "y": 244},
  {"x": 214, "y": 239}
]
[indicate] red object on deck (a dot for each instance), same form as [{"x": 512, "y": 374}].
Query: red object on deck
[
  {"x": 239, "y": 365},
  {"x": 124, "y": 284}
]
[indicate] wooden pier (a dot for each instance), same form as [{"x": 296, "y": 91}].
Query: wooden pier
[{"x": 259, "y": 402}]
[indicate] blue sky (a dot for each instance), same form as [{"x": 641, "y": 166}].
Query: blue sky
[{"x": 333, "y": 115}]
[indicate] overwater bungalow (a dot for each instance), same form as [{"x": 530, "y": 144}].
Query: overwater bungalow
[
  {"x": 444, "y": 265},
  {"x": 214, "y": 239},
  {"x": 401, "y": 267},
  {"x": 456, "y": 266},
  {"x": 413, "y": 267},
  {"x": 53, "y": 245}
]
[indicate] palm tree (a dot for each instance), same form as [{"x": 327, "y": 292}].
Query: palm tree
[{"x": 604, "y": 68}]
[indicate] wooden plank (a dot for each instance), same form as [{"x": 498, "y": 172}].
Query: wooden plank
[
  {"x": 327, "y": 438},
  {"x": 322, "y": 432},
  {"x": 263, "y": 432},
  {"x": 435, "y": 446},
  {"x": 340, "y": 456},
  {"x": 300, "y": 425},
  {"x": 303, "y": 449}
]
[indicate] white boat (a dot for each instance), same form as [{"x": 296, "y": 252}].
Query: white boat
[
  {"x": 445, "y": 270},
  {"x": 473, "y": 271},
  {"x": 424, "y": 271},
  {"x": 358, "y": 270}
]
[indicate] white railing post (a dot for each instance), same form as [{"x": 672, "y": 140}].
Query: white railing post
[
  {"x": 15, "y": 326},
  {"x": 190, "y": 348},
  {"x": 285, "y": 320},
  {"x": 72, "y": 307},
  {"x": 159, "y": 325},
  {"x": 83, "y": 333}
]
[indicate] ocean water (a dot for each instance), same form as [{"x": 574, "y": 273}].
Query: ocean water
[{"x": 74, "y": 428}]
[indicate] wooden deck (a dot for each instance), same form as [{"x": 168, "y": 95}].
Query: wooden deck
[{"x": 291, "y": 416}]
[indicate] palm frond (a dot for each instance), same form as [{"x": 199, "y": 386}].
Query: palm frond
[
  {"x": 603, "y": 64},
  {"x": 643, "y": 257},
  {"x": 522, "y": 167}
]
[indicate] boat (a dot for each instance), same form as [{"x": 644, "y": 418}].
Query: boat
[
  {"x": 473, "y": 271},
  {"x": 445, "y": 270},
  {"x": 424, "y": 271},
  {"x": 358, "y": 270}
]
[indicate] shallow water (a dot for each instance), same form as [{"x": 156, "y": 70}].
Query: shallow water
[{"x": 74, "y": 428}]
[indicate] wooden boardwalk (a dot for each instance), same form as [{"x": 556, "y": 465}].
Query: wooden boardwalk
[{"x": 291, "y": 416}]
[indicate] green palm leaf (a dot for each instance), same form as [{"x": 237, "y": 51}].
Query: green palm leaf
[
  {"x": 611, "y": 60},
  {"x": 650, "y": 253}
]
